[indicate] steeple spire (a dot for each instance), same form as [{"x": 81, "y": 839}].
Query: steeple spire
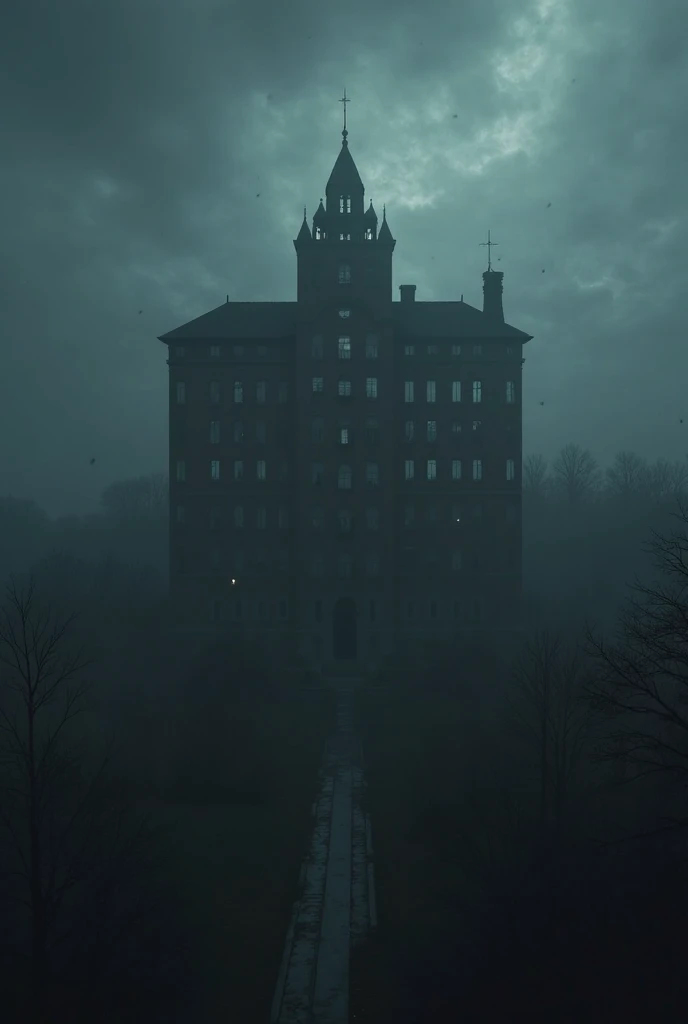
[
  {"x": 489, "y": 245},
  {"x": 344, "y": 100}
]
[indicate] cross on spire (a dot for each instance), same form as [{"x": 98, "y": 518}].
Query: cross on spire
[
  {"x": 489, "y": 243},
  {"x": 344, "y": 100}
]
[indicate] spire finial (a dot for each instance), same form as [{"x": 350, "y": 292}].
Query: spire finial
[
  {"x": 344, "y": 100},
  {"x": 304, "y": 213},
  {"x": 489, "y": 245}
]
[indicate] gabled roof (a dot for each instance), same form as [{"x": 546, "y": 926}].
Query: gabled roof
[{"x": 279, "y": 320}]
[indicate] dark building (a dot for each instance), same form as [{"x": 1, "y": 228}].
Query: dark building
[{"x": 345, "y": 470}]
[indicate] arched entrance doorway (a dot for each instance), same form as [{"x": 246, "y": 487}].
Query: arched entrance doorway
[{"x": 344, "y": 630}]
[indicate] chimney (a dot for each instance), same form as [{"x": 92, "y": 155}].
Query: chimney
[
  {"x": 492, "y": 295},
  {"x": 408, "y": 292}
]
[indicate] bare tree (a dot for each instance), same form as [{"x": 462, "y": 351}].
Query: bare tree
[
  {"x": 535, "y": 478},
  {"x": 73, "y": 867},
  {"x": 667, "y": 480},
  {"x": 141, "y": 498},
  {"x": 628, "y": 476},
  {"x": 576, "y": 473}
]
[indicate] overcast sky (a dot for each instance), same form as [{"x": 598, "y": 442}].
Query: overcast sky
[{"x": 136, "y": 134}]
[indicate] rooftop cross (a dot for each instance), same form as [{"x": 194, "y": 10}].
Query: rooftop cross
[
  {"x": 344, "y": 100},
  {"x": 489, "y": 243}
]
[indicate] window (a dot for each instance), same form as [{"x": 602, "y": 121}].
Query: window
[
  {"x": 238, "y": 392},
  {"x": 371, "y": 431},
  {"x": 181, "y": 392},
  {"x": 181, "y": 472},
  {"x": 318, "y": 385},
  {"x": 409, "y": 468},
  {"x": 456, "y": 561},
  {"x": 261, "y": 432},
  {"x": 477, "y": 469},
  {"x": 430, "y": 391},
  {"x": 261, "y": 517},
  {"x": 345, "y": 313},
  {"x": 344, "y": 433},
  {"x": 372, "y": 564},
  {"x": 181, "y": 514},
  {"x": 239, "y": 432},
  {"x": 456, "y": 350},
  {"x": 344, "y": 566},
  {"x": 260, "y": 392},
  {"x": 433, "y": 350},
  {"x": 344, "y": 388},
  {"x": 344, "y": 348},
  {"x": 345, "y": 204},
  {"x": 239, "y": 516},
  {"x": 214, "y": 351},
  {"x": 371, "y": 346},
  {"x": 317, "y": 518},
  {"x": 317, "y": 346},
  {"x": 408, "y": 391},
  {"x": 431, "y": 469},
  {"x": 475, "y": 426},
  {"x": 456, "y": 391},
  {"x": 215, "y": 517},
  {"x": 409, "y": 515},
  {"x": 431, "y": 430},
  {"x": 317, "y": 474},
  {"x": 456, "y": 428},
  {"x": 214, "y": 431},
  {"x": 238, "y": 350},
  {"x": 509, "y": 350},
  {"x": 238, "y": 469},
  {"x": 317, "y": 564},
  {"x": 283, "y": 392},
  {"x": 215, "y": 470},
  {"x": 371, "y": 387},
  {"x": 372, "y": 519},
  {"x": 261, "y": 470},
  {"x": 409, "y": 430},
  {"x": 510, "y": 469},
  {"x": 344, "y": 521},
  {"x": 372, "y": 474},
  {"x": 283, "y": 518},
  {"x": 317, "y": 431},
  {"x": 477, "y": 391},
  {"x": 409, "y": 350},
  {"x": 456, "y": 469},
  {"x": 344, "y": 478},
  {"x": 214, "y": 392},
  {"x": 510, "y": 392},
  {"x": 344, "y": 273},
  {"x": 477, "y": 350}
]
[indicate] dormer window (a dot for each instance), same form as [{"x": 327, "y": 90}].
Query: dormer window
[
  {"x": 344, "y": 273},
  {"x": 345, "y": 204},
  {"x": 319, "y": 234},
  {"x": 368, "y": 236}
]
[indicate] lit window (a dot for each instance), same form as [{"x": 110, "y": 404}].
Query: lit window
[
  {"x": 238, "y": 516},
  {"x": 510, "y": 469},
  {"x": 344, "y": 566},
  {"x": 409, "y": 515},
  {"x": 372, "y": 519},
  {"x": 373, "y": 564},
  {"x": 181, "y": 392},
  {"x": 345, "y": 313},
  {"x": 409, "y": 430},
  {"x": 456, "y": 561},
  {"x": 181, "y": 472},
  {"x": 261, "y": 517},
  {"x": 317, "y": 473},
  {"x": 261, "y": 470},
  {"x": 477, "y": 469},
  {"x": 181, "y": 514},
  {"x": 260, "y": 392},
  {"x": 371, "y": 387},
  {"x": 318, "y": 431},
  {"x": 372, "y": 474},
  {"x": 456, "y": 469},
  {"x": 239, "y": 432},
  {"x": 477, "y": 391},
  {"x": 344, "y": 273},
  {"x": 238, "y": 469},
  {"x": 409, "y": 469},
  {"x": 344, "y": 434},
  {"x": 282, "y": 392},
  {"x": 431, "y": 430},
  {"x": 371, "y": 346},
  {"x": 344, "y": 388},
  {"x": 430, "y": 391},
  {"x": 456, "y": 350},
  {"x": 317, "y": 518},
  {"x": 510, "y": 392},
  {"x": 344, "y": 348},
  {"x": 238, "y": 392},
  {"x": 344, "y": 478},
  {"x": 431, "y": 469},
  {"x": 345, "y": 204},
  {"x": 318, "y": 384},
  {"x": 456, "y": 391},
  {"x": 214, "y": 392},
  {"x": 317, "y": 347},
  {"x": 214, "y": 351},
  {"x": 215, "y": 470},
  {"x": 408, "y": 391},
  {"x": 215, "y": 432}
]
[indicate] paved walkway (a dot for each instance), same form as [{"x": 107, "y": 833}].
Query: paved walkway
[{"x": 336, "y": 902}]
